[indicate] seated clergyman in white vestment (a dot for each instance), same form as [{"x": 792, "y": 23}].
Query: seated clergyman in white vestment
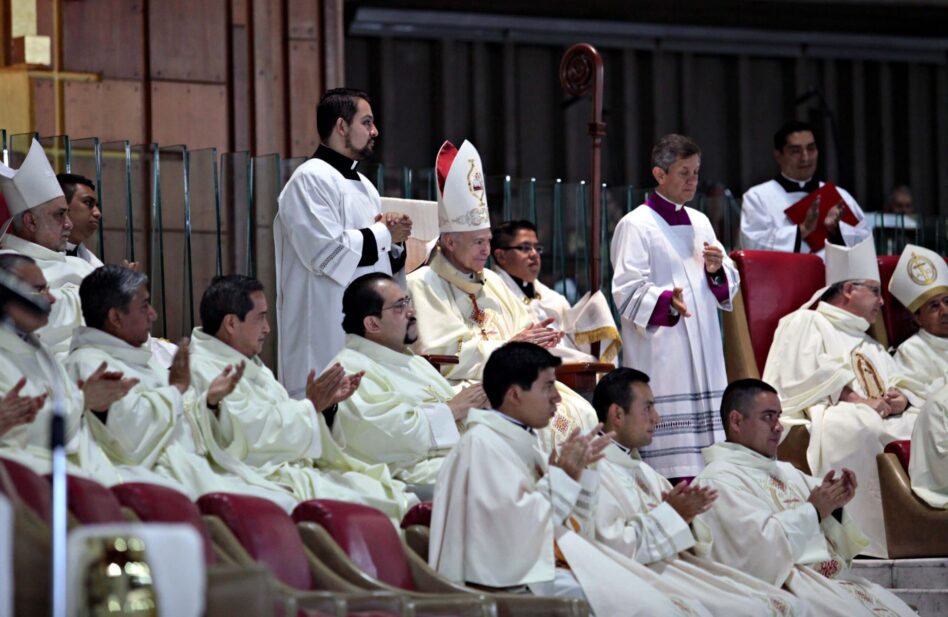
[
  {"x": 466, "y": 310},
  {"x": 27, "y": 369},
  {"x": 772, "y": 521},
  {"x": 764, "y": 224},
  {"x": 842, "y": 384},
  {"x": 285, "y": 440},
  {"x": 404, "y": 413},
  {"x": 670, "y": 278},
  {"x": 160, "y": 427},
  {"x": 517, "y": 254},
  {"x": 39, "y": 229},
  {"x": 643, "y": 517},
  {"x": 509, "y": 517}
]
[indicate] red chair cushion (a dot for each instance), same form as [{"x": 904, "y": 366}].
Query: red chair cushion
[
  {"x": 902, "y": 450},
  {"x": 365, "y": 534},
  {"x": 159, "y": 504},
  {"x": 266, "y": 532},
  {"x": 91, "y": 503},
  {"x": 899, "y": 324},
  {"x": 32, "y": 489},
  {"x": 420, "y": 514},
  {"x": 774, "y": 284}
]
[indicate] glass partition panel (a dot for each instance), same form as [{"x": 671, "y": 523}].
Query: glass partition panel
[
  {"x": 145, "y": 222},
  {"x": 57, "y": 151},
  {"x": 85, "y": 159},
  {"x": 420, "y": 184},
  {"x": 287, "y": 167},
  {"x": 18, "y": 147},
  {"x": 206, "y": 224},
  {"x": 267, "y": 184},
  {"x": 118, "y": 228},
  {"x": 236, "y": 189},
  {"x": 375, "y": 172},
  {"x": 3, "y": 146},
  {"x": 173, "y": 248}
]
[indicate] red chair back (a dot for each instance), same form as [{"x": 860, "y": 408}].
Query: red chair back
[
  {"x": 266, "y": 532},
  {"x": 774, "y": 284},
  {"x": 159, "y": 504},
  {"x": 899, "y": 324},
  {"x": 365, "y": 534},
  {"x": 419, "y": 514},
  {"x": 32, "y": 489},
  {"x": 91, "y": 503},
  {"x": 902, "y": 450}
]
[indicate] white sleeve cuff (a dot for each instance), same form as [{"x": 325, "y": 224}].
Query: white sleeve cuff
[
  {"x": 315, "y": 449},
  {"x": 444, "y": 430},
  {"x": 383, "y": 237},
  {"x": 564, "y": 491},
  {"x": 679, "y": 532}
]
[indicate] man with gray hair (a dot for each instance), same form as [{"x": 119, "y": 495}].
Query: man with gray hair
[{"x": 670, "y": 277}]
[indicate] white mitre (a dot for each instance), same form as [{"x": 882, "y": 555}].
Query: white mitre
[
  {"x": 33, "y": 184},
  {"x": 851, "y": 263},
  {"x": 462, "y": 195},
  {"x": 919, "y": 276}
]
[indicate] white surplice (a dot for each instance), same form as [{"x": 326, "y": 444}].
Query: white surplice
[
  {"x": 928, "y": 463},
  {"x": 765, "y": 226},
  {"x": 633, "y": 518},
  {"x": 922, "y": 359},
  {"x": 762, "y": 524},
  {"x": 399, "y": 415},
  {"x": 155, "y": 430},
  {"x": 83, "y": 253},
  {"x": 443, "y": 303},
  {"x": 63, "y": 275},
  {"x": 284, "y": 439},
  {"x": 815, "y": 354},
  {"x": 685, "y": 361},
  {"x": 498, "y": 508},
  {"x": 318, "y": 247}
]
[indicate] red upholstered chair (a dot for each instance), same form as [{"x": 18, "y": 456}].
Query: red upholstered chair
[
  {"x": 91, "y": 503},
  {"x": 912, "y": 527},
  {"x": 252, "y": 530},
  {"x": 419, "y": 514},
  {"x": 29, "y": 489},
  {"x": 360, "y": 544},
  {"x": 30, "y": 495},
  {"x": 899, "y": 324}
]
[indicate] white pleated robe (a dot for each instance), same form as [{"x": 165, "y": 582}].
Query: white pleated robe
[
  {"x": 813, "y": 356},
  {"x": 633, "y": 518},
  {"x": 285, "y": 440},
  {"x": 686, "y": 360},
  {"x": 928, "y": 463},
  {"x": 922, "y": 359},
  {"x": 762, "y": 524},
  {"x": 399, "y": 415},
  {"x": 498, "y": 508},
  {"x": 445, "y": 327}
]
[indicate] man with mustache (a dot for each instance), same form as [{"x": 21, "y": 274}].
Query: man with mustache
[
  {"x": 40, "y": 228},
  {"x": 84, "y": 213},
  {"x": 404, "y": 413},
  {"x": 841, "y": 383},
  {"x": 328, "y": 231}
]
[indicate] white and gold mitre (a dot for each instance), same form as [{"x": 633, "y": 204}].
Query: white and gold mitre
[
  {"x": 462, "y": 194},
  {"x": 919, "y": 276},
  {"x": 33, "y": 184},
  {"x": 851, "y": 263}
]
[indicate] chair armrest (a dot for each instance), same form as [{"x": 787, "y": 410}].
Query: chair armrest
[
  {"x": 239, "y": 590},
  {"x": 793, "y": 448},
  {"x": 911, "y": 525},
  {"x": 438, "y": 361},
  {"x": 416, "y": 537},
  {"x": 582, "y": 376},
  {"x": 325, "y": 550},
  {"x": 739, "y": 358}
]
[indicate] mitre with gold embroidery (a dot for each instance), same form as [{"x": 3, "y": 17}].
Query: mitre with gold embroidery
[
  {"x": 462, "y": 194},
  {"x": 919, "y": 276}
]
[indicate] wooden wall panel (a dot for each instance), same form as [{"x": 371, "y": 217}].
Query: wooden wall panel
[
  {"x": 305, "y": 80},
  {"x": 188, "y": 40},
  {"x": 44, "y": 107},
  {"x": 189, "y": 113},
  {"x": 104, "y": 36},
  {"x": 303, "y": 19},
  {"x": 269, "y": 78},
  {"x": 110, "y": 110}
]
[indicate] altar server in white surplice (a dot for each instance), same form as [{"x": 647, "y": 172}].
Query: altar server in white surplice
[
  {"x": 670, "y": 277},
  {"x": 404, "y": 413},
  {"x": 764, "y": 224},
  {"x": 772, "y": 521},
  {"x": 466, "y": 310},
  {"x": 507, "y": 519},
  {"x": 26, "y": 368},
  {"x": 84, "y": 213},
  {"x": 517, "y": 254},
  {"x": 841, "y": 383},
  {"x": 328, "y": 231},
  {"x": 287, "y": 441},
  {"x": 920, "y": 283},
  {"x": 39, "y": 229},
  {"x": 159, "y": 428},
  {"x": 643, "y": 517}
]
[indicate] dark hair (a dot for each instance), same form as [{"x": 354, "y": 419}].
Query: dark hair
[
  {"x": 739, "y": 395},
  {"x": 503, "y": 234},
  {"x": 832, "y": 292},
  {"x": 671, "y": 148},
  {"x": 337, "y": 103},
  {"x": 108, "y": 287},
  {"x": 68, "y": 182},
  {"x": 227, "y": 295},
  {"x": 789, "y": 127},
  {"x": 361, "y": 299},
  {"x": 615, "y": 387},
  {"x": 11, "y": 261},
  {"x": 514, "y": 364}
]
